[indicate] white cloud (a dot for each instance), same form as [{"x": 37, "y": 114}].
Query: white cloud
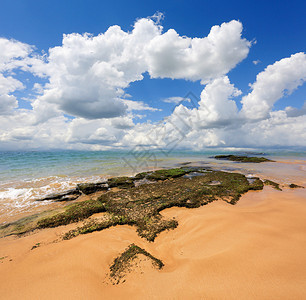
[
  {"x": 88, "y": 74},
  {"x": 7, "y": 104},
  {"x": 12, "y": 54},
  {"x": 138, "y": 105},
  {"x": 172, "y": 56},
  {"x": 216, "y": 105},
  {"x": 87, "y": 77},
  {"x": 295, "y": 112},
  {"x": 175, "y": 100},
  {"x": 277, "y": 80}
]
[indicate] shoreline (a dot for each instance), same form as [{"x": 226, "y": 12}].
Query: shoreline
[
  {"x": 253, "y": 249},
  {"x": 283, "y": 171}
]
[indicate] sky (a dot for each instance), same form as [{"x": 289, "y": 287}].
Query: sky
[{"x": 103, "y": 75}]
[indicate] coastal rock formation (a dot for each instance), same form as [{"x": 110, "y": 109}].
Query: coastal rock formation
[
  {"x": 295, "y": 186},
  {"x": 64, "y": 196},
  {"x": 90, "y": 188},
  {"x": 123, "y": 262},
  {"x": 122, "y": 182},
  {"x": 244, "y": 159},
  {"x": 140, "y": 205}
]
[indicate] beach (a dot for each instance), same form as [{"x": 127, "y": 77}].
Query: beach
[
  {"x": 152, "y": 150},
  {"x": 254, "y": 249},
  {"x": 29, "y": 175}
]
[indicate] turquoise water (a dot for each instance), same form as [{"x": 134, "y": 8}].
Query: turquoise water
[
  {"x": 37, "y": 164},
  {"x": 26, "y": 176}
]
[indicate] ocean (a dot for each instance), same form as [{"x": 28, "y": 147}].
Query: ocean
[{"x": 30, "y": 175}]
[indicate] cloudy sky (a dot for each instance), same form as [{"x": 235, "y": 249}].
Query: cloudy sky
[{"x": 161, "y": 74}]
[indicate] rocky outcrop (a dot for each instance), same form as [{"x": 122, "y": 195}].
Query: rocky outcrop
[
  {"x": 244, "y": 159},
  {"x": 64, "y": 196},
  {"x": 90, "y": 188}
]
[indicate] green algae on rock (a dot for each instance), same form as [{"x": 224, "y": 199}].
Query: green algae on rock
[
  {"x": 140, "y": 206},
  {"x": 273, "y": 184},
  {"x": 122, "y": 182},
  {"x": 295, "y": 186},
  {"x": 244, "y": 159},
  {"x": 72, "y": 213},
  {"x": 90, "y": 188},
  {"x": 123, "y": 262},
  {"x": 166, "y": 174}
]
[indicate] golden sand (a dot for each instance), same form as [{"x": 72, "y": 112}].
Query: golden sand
[{"x": 253, "y": 250}]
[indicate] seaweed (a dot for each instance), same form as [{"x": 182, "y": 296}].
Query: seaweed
[
  {"x": 122, "y": 182},
  {"x": 72, "y": 213},
  {"x": 273, "y": 184},
  {"x": 166, "y": 174},
  {"x": 295, "y": 186},
  {"x": 89, "y": 188},
  {"x": 140, "y": 206},
  {"x": 244, "y": 159},
  {"x": 122, "y": 263},
  {"x": 35, "y": 246}
]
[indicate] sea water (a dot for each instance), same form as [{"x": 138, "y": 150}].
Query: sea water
[{"x": 30, "y": 175}]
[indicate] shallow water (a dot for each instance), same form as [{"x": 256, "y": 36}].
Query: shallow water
[{"x": 26, "y": 176}]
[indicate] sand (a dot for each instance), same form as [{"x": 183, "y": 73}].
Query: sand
[{"x": 253, "y": 250}]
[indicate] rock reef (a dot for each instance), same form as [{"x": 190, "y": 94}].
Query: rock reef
[{"x": 243, "y": 159}]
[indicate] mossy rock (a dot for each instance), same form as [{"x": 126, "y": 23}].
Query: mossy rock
[
  {"x": 122, "y": 263},
  {"x": 90, "y": 188},
  {"x": 142, "y": 175},
  {"x": 140, "y": 206},
  {"x": 295, "y": 186},
  {"x": 273, "y": 184},
  {"x": 166, "y": 174},
  {"x": 122, "y": 182},
  {"x": 72, "y": 213},
  {"x": 63, "y": 196},
  {"x": 244, "y": 159}
]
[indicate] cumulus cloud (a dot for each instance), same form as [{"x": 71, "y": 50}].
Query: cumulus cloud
[
  {"x": 217, "y": 121},
  {"x": 83, "y": 103},
  {"x": 295, "y": 112},
  {"x": 7, "y": 104},
  {"x": 170, "y": 55},
  {"x": 138, "y": 105},
  {"x": 277, "y": 80},
  {"x": 175, "y": 100},
  {"x": 216, "y": 105},
  {"x": 88, "y": 74},
  {"x": 14, "y": 55}
]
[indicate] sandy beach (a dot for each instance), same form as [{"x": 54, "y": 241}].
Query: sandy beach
[
  {"x": 152, "y": 150},
  {"x": 254, "y": 249}
]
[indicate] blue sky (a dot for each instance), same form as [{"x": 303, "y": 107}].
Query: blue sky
[{"x": 276, "y": 29}]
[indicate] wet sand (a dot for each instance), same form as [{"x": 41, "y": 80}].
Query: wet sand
[{"x": 252, "y": 250}]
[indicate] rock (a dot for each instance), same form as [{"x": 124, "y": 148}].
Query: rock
[
  {"x": 89, "y": 188},
  {"x": 68, "y": 198},
  {"x": 166, "y": 174},
  {"x": 214, "y": 182},
  {"x": 122, "y": 182},
  {"x": 244, "y": 159},
  {"x": 64, "y": 196},
  {"x": 295, "y": 186}
]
